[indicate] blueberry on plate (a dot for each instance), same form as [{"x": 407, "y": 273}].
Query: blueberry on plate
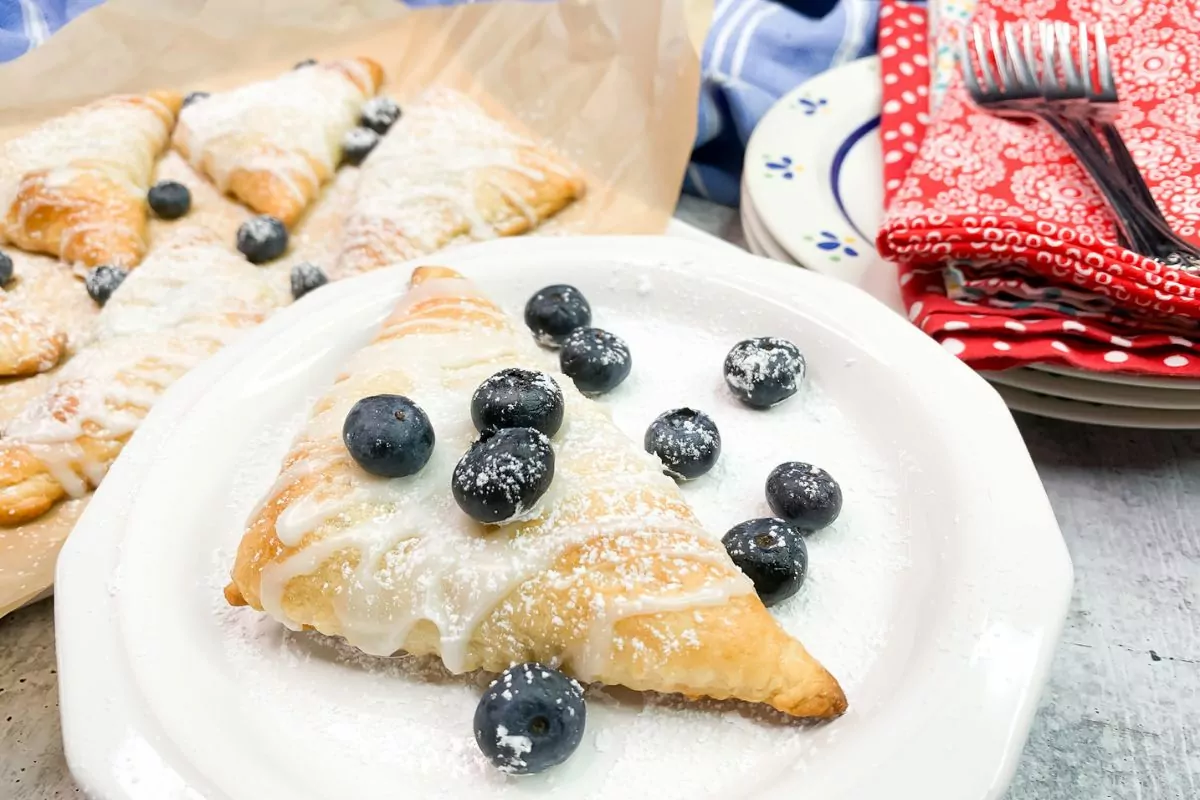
[
  {"x": 308, "y": 62},
  {"x": 772, "y": 554},
  {"x": 503, "y": 474},
  {"x": 193, "y": 97},
  {"x": 169, "y": 199},
  {"x": 388, "y": 435},
  {"x": 6, "y": 269},
  {"x": 555, "y": 311},
  {"x": 357, "y": 144},
  {"x": 806, "y": 496},
  {"x": 261, "y": 239},
  {"x": 379, "y": 114},
  {"x": 306, "y": 277},
  {"x": 765, "y": 371},
  {"x": 518, "y": 398},
  {"x": 596, "y": 360},
  {"x": 530, "y": 719},
  {"x": 686, "y": 441},
  {"x": 102, "y": 281}
]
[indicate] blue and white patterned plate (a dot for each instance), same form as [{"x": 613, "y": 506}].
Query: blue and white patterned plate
[{"x": 812, "y": 177}]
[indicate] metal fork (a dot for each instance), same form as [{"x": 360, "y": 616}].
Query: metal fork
[
  {"x": 1064, "y": 104},
  {"x": 1095, "y": 109},
  {"x": 1014, "y": 91}
]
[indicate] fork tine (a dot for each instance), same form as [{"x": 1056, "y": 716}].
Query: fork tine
[
  {"x": 1070, "y": 74},
  {"x": 1085, "y": 61},
  {"x": 1104, "y": 68},
  {"x": 1020, "y": 64},
  {"x": 1049, "y": 82},
  {"x": 1003, "y": 72},
  {"x": 968, "y": 66},
  {"x": 981, "y": 53}
]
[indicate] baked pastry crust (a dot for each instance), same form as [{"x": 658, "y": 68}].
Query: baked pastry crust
[
  {"x": 29, "y": 343},
  {"x": 446, "y": 171},
  {"x": 75, "y": 186},
  {"x": 273, "y": 144},
  {"x": 189, "y": 298},
  {"x": 611, "y": 576}
]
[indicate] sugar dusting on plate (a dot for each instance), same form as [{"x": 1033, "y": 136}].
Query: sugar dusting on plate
[{"x": 373, "y": 722}]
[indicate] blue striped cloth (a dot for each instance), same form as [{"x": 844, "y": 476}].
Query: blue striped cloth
[{"x": 756, "y": 51}]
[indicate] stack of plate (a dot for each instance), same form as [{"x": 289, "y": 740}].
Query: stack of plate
[{"x": 812, "y": 195}]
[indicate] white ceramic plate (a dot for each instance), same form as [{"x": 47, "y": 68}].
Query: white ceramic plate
[
  {"x": 1066, "y": 385},
  {"x": 1095, "y": 413},
  {"x": 757, "y": 237},
  {"x": 937, "y": 597},
  {"x": 825, "y": 135}
]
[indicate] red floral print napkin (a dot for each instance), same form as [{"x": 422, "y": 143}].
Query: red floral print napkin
[{"x": 1007, "y": 254}]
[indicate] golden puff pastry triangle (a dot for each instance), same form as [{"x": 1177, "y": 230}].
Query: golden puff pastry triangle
[
  {"x": 190, "y": 297},
  {"x": 612, "y": 576},
  {"x": 273, "y": 144},
  {"x": 75, "y": 186},
  {"x": 447, "y": 171}
]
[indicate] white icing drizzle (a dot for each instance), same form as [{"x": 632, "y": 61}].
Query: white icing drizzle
[
  {"x": 407, "y": 551},
  {"x": 116, "y": 139},
  {"x": 187, "y": 300},
  {"x": 283, "y": 125},
  {"x": 418, "y": 187}
]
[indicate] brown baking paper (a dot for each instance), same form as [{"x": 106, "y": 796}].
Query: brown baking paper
[{"x": 612, "y": 84}]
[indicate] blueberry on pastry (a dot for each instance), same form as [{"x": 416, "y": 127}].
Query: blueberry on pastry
[
  {"x": 518, "y": 398},
  {"x": 102, "y": 281},
  {"x": 610, "y": 577},
  {"x": 388, "y": 435},
  {"x": 169, "y": 199},
  {"x": 261, "y": 239},
  {"x": 357, "y": 144},
  {"x": 379, "y": 114},
  {"x": 503, "y": 474},
  {"x": 6, "y": 269},
  {"x": 194, "y": 97},
  {"x": 305, "y": 277}
]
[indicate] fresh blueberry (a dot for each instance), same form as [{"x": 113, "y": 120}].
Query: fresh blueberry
[
  {"x": 357, "y": 144},
  {"x": 306, "y": 277},
  {"x": 765, "y": 371},
  {"x": 503, "y": 474},
  {"x": 686, "y": 441},
  {"x": 379, "y": 114},
  {"x": 193, "y": 97},
  {"x": 261, "y": 239},
  {"x": 530, "y": 719},
  {"x": 596, "y": 360},
  {"x": 169, "y": 199},
  {"x": 388, "y": 435},
  {"x": 518, "y": 398},
  {"x": 772, "y": 554},
  {"x": 6, "y": 269},
  {"x": 554, "y": 312},
  {"x": 806, "y": 496},
  {"x": 102, "y": 281},
  {"x": 308, "y": 62}
]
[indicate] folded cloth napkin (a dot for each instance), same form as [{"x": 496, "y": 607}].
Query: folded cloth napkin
[{"x": 1007, "y": 253}]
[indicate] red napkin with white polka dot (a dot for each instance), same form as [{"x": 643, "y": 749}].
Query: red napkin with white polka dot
[{"x": 1006, "y": 253}]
